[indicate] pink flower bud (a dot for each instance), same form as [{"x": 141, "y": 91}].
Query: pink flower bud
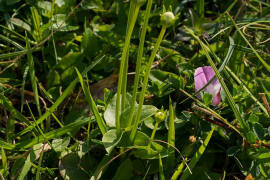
[{"x": 201, "y": 76}]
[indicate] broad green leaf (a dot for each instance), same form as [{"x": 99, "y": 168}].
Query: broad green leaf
[
  {"x": 109, "y": 114},
  {"x": 127, "y": 173},
  {"x": 251, "y": 137},
  {"x": 110, "y": 140},
  {"x": 69, "y": 167}
]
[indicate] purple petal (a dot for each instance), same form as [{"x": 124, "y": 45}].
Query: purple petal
[{"x": 201, "y": 76}]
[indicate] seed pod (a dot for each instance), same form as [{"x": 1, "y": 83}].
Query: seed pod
[
  {"x": 139, "y": 2},
  {"x": 167, "y": 19}
]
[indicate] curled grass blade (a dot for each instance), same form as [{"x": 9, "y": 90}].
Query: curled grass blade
[{"x": 255, "y": 52}]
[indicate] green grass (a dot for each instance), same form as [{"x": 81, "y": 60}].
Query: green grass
[{"x": 105, "y": 90}]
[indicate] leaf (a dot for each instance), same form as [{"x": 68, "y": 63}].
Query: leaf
[
  {"x": 91, "y": 102},
  {"x": 109, "y": 114},
  {"x": 61, "y": 25},
  {"x": 90, "y": 43},
  {"x": 69, "y": 167},
  {"x": 161, "y": 173},
  {"x": 253, "y": 118},
  {"x": 28, "y": 162},
  {"x": 251, "y": 137},
  {"x": 4, "y": 171},
  {"x": 207, "y": 98},
  {"x": 20, "y": 23},
  {"x": 110, "y": 140},
  {"x": 59, "y": 145},
  {"x": 171, "y": 138},
  {"x": 258, "y": 130},
  {"x": 127, "y": 174},
  {"x": 232, "y": 151}
]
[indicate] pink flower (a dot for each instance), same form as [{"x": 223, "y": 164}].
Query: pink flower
[{"x": 201, "y": 76}]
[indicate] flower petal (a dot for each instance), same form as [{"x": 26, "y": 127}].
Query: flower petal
[{"x": 201, "y": 76}]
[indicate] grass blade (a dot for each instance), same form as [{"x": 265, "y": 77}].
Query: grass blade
[
  {"x": 4, "y": 163},
  {"x": 255, "y": 52},
  {"x": 160, "y": 166},
  {"x": 196, "y": 157},
  {"x": 60, "y": 99},
  {"x": 17, "y": 45},
  {"x": 223, "y": 85},
  {"x": 91, "y": 102},
  {"x": 171, "y": 139},
  {"x": 33, "y": 76},
  {"x": 52, "y": 134}
]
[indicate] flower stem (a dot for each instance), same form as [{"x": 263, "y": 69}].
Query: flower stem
[
  {"x": 152, "y": 136},
  {"x": 139, "y": 62},
  {"x": 145, "y": 82},
  {"x": 121, "y": 71}
]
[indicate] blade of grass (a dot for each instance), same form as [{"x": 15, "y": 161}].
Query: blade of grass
[
  {"x": 23, "y": 85},
  {"x": 8, "y": 105},
  {"x": 14, "y": 54},
  {"x": 6, "y": 145},
  {"x": 160, "y": 166},
  {"x": 171, "y": 138},
  {"x": 200, "y": 8},
  {"x": 196, "y": 157},
  {"x": 50, "y": 135},
  {"x": 223, "y": 85},
  {"x": 212, "y": 111},
  {"x": 32, "y": 76},
  {"x": 235, "y": 77},
  {"x": 91, "y": 102},
  {"x": 243, "y": 36},
  {"x": 17, "y": 45},
  {"x": 4, "y": 162},
  {"x": 60, "y": 99}
]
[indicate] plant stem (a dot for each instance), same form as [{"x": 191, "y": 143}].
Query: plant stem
[
  {"x": 152, "y": 136},
  {"x": 121, "y": 72},
  {"x": 145, "y": 82},
  {"x": 139, "y": 62},
  {"x": 124, "y": 82}
]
